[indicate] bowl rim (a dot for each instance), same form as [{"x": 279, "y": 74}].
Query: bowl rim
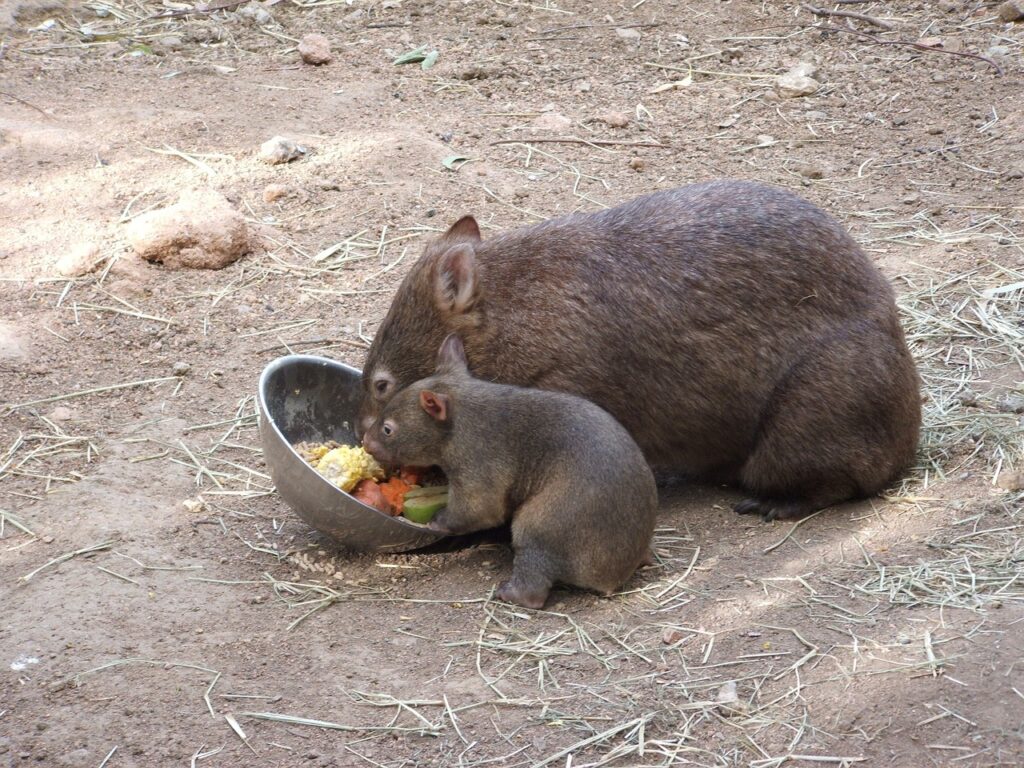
[{"x": 292, "y": 359}]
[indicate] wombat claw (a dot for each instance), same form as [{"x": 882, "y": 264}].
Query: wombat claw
[{"x": 770, "y": 510}]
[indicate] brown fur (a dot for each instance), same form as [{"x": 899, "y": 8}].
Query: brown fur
[
  {"x": 580, "y": 496},
  {"x": 736, "y": 330}
]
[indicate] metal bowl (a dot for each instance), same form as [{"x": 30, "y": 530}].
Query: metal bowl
[{"x": 307, "y": 398}]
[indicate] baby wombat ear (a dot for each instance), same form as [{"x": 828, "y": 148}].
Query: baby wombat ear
[
  {"x": 455, "y": 280},
  {"x": 452, "y": 355},
  {"x": 435, "y": 404},
  {"x": 465, "y": 228}
]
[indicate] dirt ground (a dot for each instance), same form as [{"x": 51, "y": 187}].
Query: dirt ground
[{"x": 223, "y": 632}]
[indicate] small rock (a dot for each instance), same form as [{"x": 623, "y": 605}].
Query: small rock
[
  {"x": 315, "y": 49},
  {"x": 200, "y": 231},
  {"x": 636, "y": 163},
  {"x": 948, "y": 6},
  {"x": 998, "y": 51},
  {"x": 1011, "y": 404},
  {"x": 60, "y": 413},
  {"x": 804, "y": 69},
  {"x": 968, "y": 398},
  {"x": 181, "y": 368},
  {"x": 1012, "y": 10},
  {"x": 194, "y": 506},
  {"x": 47, "y": 539},
  {"x": 256, "y": 13},
  {"x": 940, "y": 77},
  {"x": 729, "y": 121},
  {"x": 280, "y": 150},
  {"x": 671, "y": 636},
  {"x": 1015, "y": 173},
  {"x": 169, "y": 43},
  {"x": 614, "y": 119},
  {"x": 903, "y": 639},
  {"x": 935, "y": 130},
  {"x": 552, "y": 121},
  {"x": 912, "y": 199},
  {"x": 583, "y": 86},
  {"x": 628, "y": 34},
  {"x": 727, "y": 694},
  {"x": 811, "y": 171},
  {"x": 930, "y": 42},
  {"x": 1012, "y": 480},
  {"x": 12, "y": 346},
  {"x": 274, "y": 192},
  {"x": 80, "y": 260},
  {"x": 797, "y": 82}
]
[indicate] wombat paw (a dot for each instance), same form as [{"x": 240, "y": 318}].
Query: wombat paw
[
  {"x": 512, "y": 593},
  {"x": 773, "y": 510}
]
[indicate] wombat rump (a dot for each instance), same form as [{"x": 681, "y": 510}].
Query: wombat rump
[
  {"x": 581, "y": 497},
  {"x": 734, "y": 329}
]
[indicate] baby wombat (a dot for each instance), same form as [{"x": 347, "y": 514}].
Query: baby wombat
[
  {"x": 580, "y": 496},
  {"x": 735, "y": 330}
]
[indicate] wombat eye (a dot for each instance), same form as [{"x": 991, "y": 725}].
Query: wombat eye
[
  {"x": 386, "y": 429},
  {"x": 380, "y": 386}
]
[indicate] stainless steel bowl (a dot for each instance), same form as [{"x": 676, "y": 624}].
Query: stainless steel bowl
[{"x": 307, "y": 398}]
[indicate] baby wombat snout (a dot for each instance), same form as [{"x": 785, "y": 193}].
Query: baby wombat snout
[
  {"x": 735, "y": 330},
  {"x": 575, "y": 485}
]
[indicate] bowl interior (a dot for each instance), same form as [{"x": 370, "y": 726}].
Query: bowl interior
[{"x": 312, "y": 399}]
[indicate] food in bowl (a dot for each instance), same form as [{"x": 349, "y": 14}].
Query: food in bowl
[{"x": 416, "y": 493}]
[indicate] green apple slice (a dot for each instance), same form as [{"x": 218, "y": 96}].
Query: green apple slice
[{"x": 422, "y": 508}]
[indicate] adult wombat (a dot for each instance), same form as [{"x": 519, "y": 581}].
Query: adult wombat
[
  {"x": 736, "y": 330},
  {"x": 577, "y": 489}
]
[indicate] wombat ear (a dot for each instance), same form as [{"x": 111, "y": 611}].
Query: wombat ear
[
  {"x": 456, "y": 280},
  {"x": 465, "y": 228},
  {"x": 452, "y": 354},
  {"x": 435, "y": 404}
]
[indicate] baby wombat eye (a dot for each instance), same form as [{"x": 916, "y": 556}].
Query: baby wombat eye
[
  {"x": 387, "y": 428},
  {"x": 381, "y": 387}
]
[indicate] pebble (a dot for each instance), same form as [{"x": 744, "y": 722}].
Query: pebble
[
  {"x": 903, "y": 640},
  {"x": 280, "y": 150},
  {"x": 1011, "y": 404},
  {"x": 200, "y": 231},
  {"x": 47, "y": 539},
  {"x": 811, "y": 171},
  {"x": 552, "y": 121},
  {"x": 671, "y": 636},
  {"x": 798, "y": 81},
  {"x": 256, "y": 13},
  {"x": 1012, "y": 10},
  {"x": 636, "y": 163},
  {"x": 274, "y": 192},
  {"x": 315, "y": 49},
  {"x": 169, "y": 43},
  {"x": 60, "y": 413},
  {"x": 80, "y": 260},
  {"x": 627, "y": 33},
  {"x": 583, "y": 86},
  {"x": 614, "y": 119},
  {"x": 181, "y": 368},
  {"x": 948, "y": 6},
  {"x": 1015, "y": 173},
  {"x": 1011, "y": 480}
]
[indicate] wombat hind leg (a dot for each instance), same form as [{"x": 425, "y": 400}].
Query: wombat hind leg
[{"x": 842, "y": 424}]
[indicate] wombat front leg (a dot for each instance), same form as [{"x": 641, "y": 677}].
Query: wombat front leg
[{"x": 530, "y": 582}]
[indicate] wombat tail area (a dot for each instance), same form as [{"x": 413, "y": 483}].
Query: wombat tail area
[{"x": 842, "y": 423}]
